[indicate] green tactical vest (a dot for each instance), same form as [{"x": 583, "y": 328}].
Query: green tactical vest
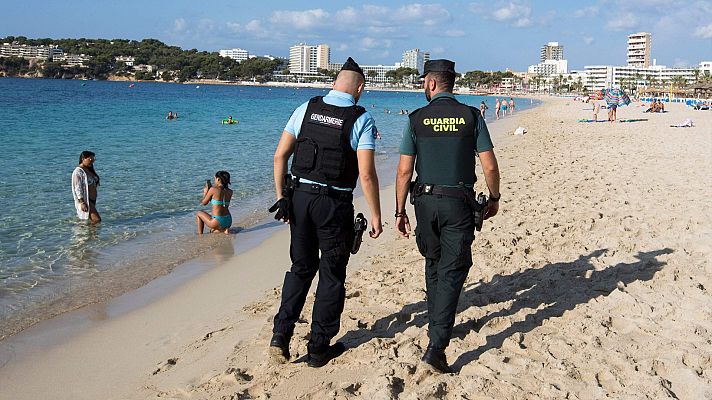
[{"x": 445, "y": 142}]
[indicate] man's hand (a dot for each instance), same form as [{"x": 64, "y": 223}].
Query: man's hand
[
  {"x": 84, "y": 207},
  {"x": 282, "y": 206},
  {"x": 376, "y": 227},
  {"x": 492, "y": 208},
  {"x": 403, "y": 226}
]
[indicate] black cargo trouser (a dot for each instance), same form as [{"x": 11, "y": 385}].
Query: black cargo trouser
[
  {"x": 318, "y": 223},
  {"x": 444, "y": 235}
]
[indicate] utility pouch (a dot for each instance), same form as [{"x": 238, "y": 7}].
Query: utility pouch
[
  {"x": 305, "y": 154},
  {"x": 360, "y": 224}
]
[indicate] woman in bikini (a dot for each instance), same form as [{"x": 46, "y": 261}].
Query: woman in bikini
[
  {"x": 218, "y": 196},
  {"x": 85, "y": 182}
]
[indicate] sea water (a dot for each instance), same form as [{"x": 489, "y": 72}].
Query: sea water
[{"x": 152, "y": 171}]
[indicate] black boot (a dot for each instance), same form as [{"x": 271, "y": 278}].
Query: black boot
[
  {"x": 435, "y": 357},
  {"x": 279, "y": 347},
  {"x": 318, "y": 357}
]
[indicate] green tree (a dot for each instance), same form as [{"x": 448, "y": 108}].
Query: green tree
[
  {"x": 145, "y": 76},
  {"x": 13, "y": 66},
  {"x": 679, "y": 82}
]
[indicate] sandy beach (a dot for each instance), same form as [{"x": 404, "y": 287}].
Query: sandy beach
[{"x": 593, "y": 281}]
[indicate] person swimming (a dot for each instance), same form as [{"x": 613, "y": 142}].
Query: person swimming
[
  {"x": 230, "y": 121},
  {"x": 218, "y": 197}
]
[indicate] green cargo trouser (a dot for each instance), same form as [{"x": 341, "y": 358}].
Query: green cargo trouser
[{"x": 444, "y": 235}]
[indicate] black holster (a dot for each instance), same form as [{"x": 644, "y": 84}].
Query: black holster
[
  {"x": 360, "y": 225},
  {"x": 478, "y": 205},
  {"x": 288, "y": 186}
]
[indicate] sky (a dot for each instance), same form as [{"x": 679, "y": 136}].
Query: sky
[{"x": 485, "y": 35}]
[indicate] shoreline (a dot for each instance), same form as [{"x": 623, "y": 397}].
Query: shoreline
[
  {"x": 291, "y": 85},
  {"x": 567, "y": 271},
  {"x": 73, "y": 294},
  {"x": 26, "y": 320},
  {"x": 64, "y": 327}
]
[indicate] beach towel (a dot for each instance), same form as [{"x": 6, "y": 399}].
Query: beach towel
[
  {"x": 633, "y": 120},
  {"x": 592, "y": 120},
  {"x": 688, "y": 123},
  {"x": 80, "y": 190}
]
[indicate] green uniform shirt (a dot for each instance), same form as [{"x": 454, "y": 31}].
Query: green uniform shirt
[{"x": 483, "y": 142}]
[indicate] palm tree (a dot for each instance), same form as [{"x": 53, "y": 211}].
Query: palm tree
[
  {"x": 651, "y": 80},
  {"x": 579, "y": 85},
  {"x": 372, "y": 75},
  {"x": 706, "y": 77},
  {"x": 558, "y": 80},
  {"x": 679, "y": 82}
]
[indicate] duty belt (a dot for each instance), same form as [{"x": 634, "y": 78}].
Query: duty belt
[
  {"x": 314, "y": 188},
  {"x": 426, "y": 188}
]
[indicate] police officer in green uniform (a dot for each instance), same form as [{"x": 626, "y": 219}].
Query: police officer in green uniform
[
  {"x": 440, "y": 143},
  {"x": 333, "y": 143}
]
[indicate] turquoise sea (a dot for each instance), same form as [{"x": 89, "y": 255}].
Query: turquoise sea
[{"x": 151, "y": 170}]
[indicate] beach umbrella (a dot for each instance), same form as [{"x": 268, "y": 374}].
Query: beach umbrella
[{"x": 616, "y": 97}]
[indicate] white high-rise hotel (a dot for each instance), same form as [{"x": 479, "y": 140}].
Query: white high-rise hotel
[
  {"x": 552, "y": 51},
  {"x": 307, "y": 59},
  {"x": 639, "y": 71},
  {"x": 415, "y": 58},
  {"x": 552, "y": 61},
  {"x": 639, "y": 49}
]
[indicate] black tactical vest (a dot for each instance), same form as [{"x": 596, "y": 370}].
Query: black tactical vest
[
  {"x": 323, "y": 152},
  {"x": 445, "y": 139}
]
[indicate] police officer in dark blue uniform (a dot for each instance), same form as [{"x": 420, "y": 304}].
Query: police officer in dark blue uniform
[
  {"x": 440, "y": 142},
  {"x": 333, "y": 142}
]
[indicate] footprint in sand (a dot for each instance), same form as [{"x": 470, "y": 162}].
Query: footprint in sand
[{"x": 166, "y": 365}]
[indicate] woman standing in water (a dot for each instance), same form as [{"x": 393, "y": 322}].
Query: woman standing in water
[
  {"x": 219, "y": 197},
  {"x": 85, "y": 182}
]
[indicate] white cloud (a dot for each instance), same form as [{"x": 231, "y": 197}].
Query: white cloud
[
  {"x": 342, "y": 47},
  {"x": 623, "y": 22},
  {"x": 369, "y": 43},
  {"x": 511, "y": 11},
  {"x": 438, "y": 50},
  {"x": 704, "y": 32},
  {"x": 455, "y": 33},
  {"x": 254, "y": 26},
  {"x": 515, "y": 13},
  {"x": 522, "y": 22},
  {"x": 588, "y": 39},
  {"x": 302, "y": 20},
  {"x": 179, "y": 25},
  {"x": 477, "y": 8},
  {"x": 429, "y": 14},
  {"x": 591, "y": 11},
  {"x": 348, "y": 15}
]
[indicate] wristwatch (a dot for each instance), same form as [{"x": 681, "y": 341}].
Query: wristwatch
[
  {"x": 495, "y": 199},
  {"x": 401, "y": 214}
]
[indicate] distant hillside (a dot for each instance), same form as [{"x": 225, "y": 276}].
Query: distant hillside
[{"x": 169, "y": 63}]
